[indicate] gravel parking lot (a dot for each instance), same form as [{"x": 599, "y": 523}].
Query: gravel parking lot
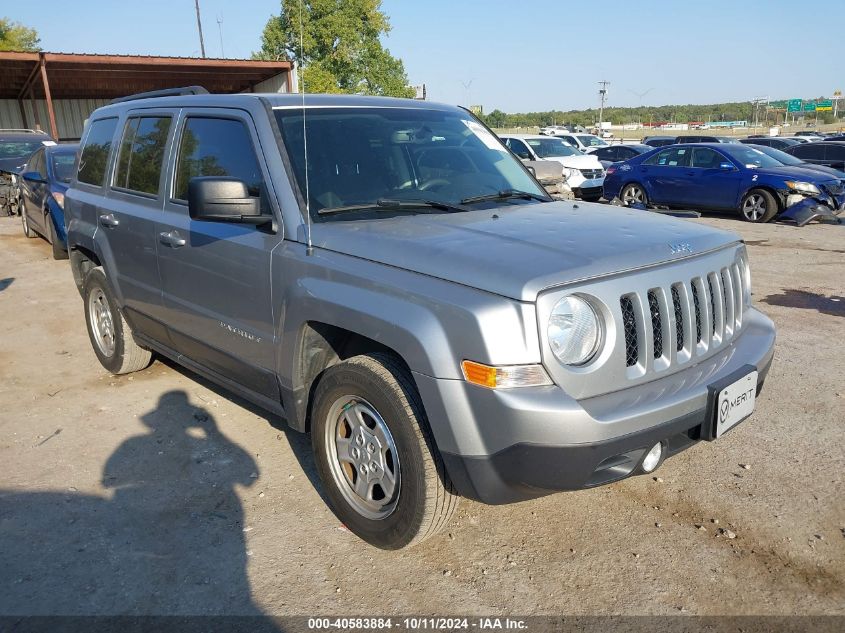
[{"x": 159, "y": 493}]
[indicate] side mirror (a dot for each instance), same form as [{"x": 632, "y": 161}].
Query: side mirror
[
  {"x": 32, "y": 176},
  {"x": 219, "y": 199}
]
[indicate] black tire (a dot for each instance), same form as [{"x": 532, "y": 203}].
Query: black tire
[
  {"x": 28, "y": 231},
  {"x": 125, "y": 355},
  {"x": 53, "y": 238},
  {"x": 630, "y": 191},
  {"x": 758, "y": 206},
  {"x": 424, "y": 499}
]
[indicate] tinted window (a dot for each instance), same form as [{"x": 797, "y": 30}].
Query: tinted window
[
  {"x": 95, "y": 152},
  {"x": 63, "y": 166},
  {"x": 216, "y": 147},
  {"x": 835, "y": 152},
  {"x": 142, "y": 154},
  {"x": 706, "y": 158},
  {"x": 518, "y": 148},
  {"x": 809, "y": 151},
  {"x": 624, "y": 153},
  {"x": 675, "y": 157},
  {"x": 605, "y": 153}
]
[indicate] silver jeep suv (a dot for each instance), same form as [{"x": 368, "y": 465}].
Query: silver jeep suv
[{"x": 387, "y": 276}]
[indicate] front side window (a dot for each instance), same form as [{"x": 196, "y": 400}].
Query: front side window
[
  {"x": 36, "y": 163},
  {"x": 95, "y": 153},
  {"x": 518, "y": 148},
  {"x": 216, "y": 147},
  {"x": 63, "y": 164},
  {"x": 809, "y": 151},
  {"x": 142, "y": 154},
  {"x": 674, "y": 157},
  {"x": 592, "y": 141},
  {"x": 706, "y": 158},
  {"x": 359, "y": 156}
]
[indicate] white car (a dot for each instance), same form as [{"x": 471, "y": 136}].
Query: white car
[
  {"x": 584, "y": 174},
  {"x": 581, "y": 141}
]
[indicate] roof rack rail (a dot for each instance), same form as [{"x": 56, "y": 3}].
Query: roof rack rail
[
  {"x": 20, "y": 130},
  {"x": 167, "y": 92}
]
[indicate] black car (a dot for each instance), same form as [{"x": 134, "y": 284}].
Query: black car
[
  {"x": 659, "y": 141},
  {"x": 830, "y": 153},
  {"x": 836, "y": 137},
  {"x": 771, "y": 141},
  {"x": 16, "y": 146},
  {"x": 700, "y": 138},
  {"x": 791, "y": 161},
  {"x": 618, "y": 153}
]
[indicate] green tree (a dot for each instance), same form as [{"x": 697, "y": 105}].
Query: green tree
[
  {"x": 341, "y": 50},
  {"x": 17, "y": 37}
]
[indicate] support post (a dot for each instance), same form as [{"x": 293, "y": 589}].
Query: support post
[
  {"x": 50, "y": 112},
  {"x": 23, "y": 114}
]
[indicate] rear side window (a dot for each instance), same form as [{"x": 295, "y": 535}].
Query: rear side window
[
  {"x": 142, "y": 154},
  {"x": 95, "y": 152},
  {"x": 216, "y": 147},
  {"x": 809, "y": 151}
]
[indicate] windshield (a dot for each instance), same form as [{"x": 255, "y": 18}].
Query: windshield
[
  {"x": 359, "y": 156},
  {"x": 752, "y": 157},
  {"x": 591, "y": 141},
  {"x": 781, "y": 157},
  {"x": 63, "y": 164},
  {"x": 545, "y": 147},
  {"x": 18, "y": 149}
]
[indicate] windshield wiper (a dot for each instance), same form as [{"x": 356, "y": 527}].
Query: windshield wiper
[
  {"x": 505, "y": 194},
  {"x": 387, "y": 204}
]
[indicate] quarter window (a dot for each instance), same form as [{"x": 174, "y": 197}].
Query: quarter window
[
  {"x": 95, "y": 152},
  {"x": 142, "y": 154},
  {"x": 216, "y": 147}
]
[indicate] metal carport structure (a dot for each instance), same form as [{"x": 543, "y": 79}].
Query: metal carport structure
[{"x": 62, "y": 89}]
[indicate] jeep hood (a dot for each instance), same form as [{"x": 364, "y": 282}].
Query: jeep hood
[{"x": 517, "y": 250}]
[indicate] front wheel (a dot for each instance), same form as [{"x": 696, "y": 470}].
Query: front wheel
[
  {"x": 634, "y": 193},
  {"x": 758, "y": 206},
  {"x": 27, "y": 230},
  {"x": 375, "y": 454},
  {"x": 110, "y": 335}
]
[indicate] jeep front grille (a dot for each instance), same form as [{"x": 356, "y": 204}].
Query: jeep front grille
[{"x": 672, "y": 325}]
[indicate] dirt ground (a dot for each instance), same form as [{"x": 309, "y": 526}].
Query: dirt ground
[{"x": 159, "y": 493}]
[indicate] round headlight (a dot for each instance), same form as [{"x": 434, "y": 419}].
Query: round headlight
[{"x": 574, "y": 331}]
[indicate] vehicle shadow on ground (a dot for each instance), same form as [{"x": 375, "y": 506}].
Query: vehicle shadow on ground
[
  {"x": 169, "y": 541},
  {"x": 300, "y": 443},
  {"x": 5, "y": 283},
  {"x": 790, "y": 298}
]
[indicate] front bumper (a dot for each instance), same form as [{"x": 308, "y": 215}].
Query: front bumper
[{"x": 502, "y": 446}]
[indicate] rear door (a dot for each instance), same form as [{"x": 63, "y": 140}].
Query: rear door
[
  {"x": 127, "y": 216},
  {"x": 665, "y": 175},
  {"x": 216, "y": 276},
  {"x": 810, "y": 153},
  {"x": 835, "y": 156},
  {"x": 33, "y": 192}
]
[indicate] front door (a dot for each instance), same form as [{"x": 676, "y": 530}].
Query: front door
[
  {"x": 33, "y": 192},
  {"x": 711, "y": 184},
  {"x": 215, "y": 276}
]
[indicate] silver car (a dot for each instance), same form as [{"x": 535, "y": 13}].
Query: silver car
[{"x": 387, "y": 276}]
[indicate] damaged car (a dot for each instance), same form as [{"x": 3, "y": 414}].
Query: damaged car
[
  {"x": 16, "y": 146},
  {"x": 722, "y": 177}
]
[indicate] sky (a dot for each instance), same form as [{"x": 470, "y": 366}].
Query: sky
[{"x": 512, "y": 56}]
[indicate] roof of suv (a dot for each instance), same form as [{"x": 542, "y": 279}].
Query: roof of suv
[{"x": 278, "y": 100}]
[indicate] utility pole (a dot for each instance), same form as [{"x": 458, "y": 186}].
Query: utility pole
[
  {"x": 603, "y": 96},
  {"x": 220, "y": 31},
  {"x": 199, "y": 28}
]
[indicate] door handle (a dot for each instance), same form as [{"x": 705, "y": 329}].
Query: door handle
[
  {"x": 172, "y": 239},
  {"x": 108, "y": 220}
]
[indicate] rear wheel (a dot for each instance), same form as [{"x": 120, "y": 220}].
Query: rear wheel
[
  {"x": 634, "y": 193},
  {"x": 375, "y": 455},
  {"x": 110, "y": 335},
  {"x": 758, "y": 206},
  {"x": 53, "y": 237}
]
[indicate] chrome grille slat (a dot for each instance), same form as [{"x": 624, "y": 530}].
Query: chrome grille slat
[{"x": 669, "y": 325}]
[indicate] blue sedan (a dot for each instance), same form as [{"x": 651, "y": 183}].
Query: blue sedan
[
  {"x": 719, "y": 177},
  {"x": 44, "y": 181}
]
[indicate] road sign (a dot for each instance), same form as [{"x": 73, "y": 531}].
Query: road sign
[
  {"x": 809, "y": 106},
  {"x": 777, "y": 105},
  {"x": 793, "y": 105},
  {"x": 824, "y": 106}
]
